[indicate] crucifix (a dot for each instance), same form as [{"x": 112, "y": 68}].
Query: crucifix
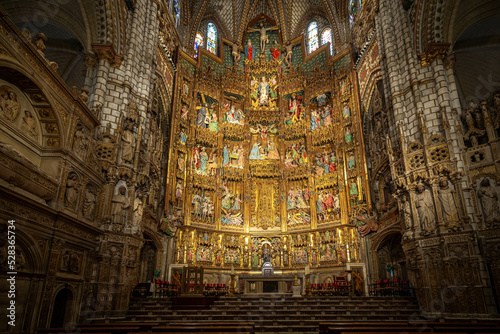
[{"x": 264, "y": 38}]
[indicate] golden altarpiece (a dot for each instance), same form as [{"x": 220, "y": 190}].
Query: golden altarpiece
[{"x": 267, "y": 156}]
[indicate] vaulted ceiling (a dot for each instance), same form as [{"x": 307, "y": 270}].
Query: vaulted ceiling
[{"x": 292, "y": 16}]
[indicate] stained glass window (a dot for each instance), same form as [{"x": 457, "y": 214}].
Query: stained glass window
[
  {"x": 312, "y": 35},
  {"x": 212, "y": 38},
  {"x": 326, "y": 37},
  {"x": 353, "y": 9},
  {"x": 198, "y": 41},
  {"x": 177, "y": 12}
]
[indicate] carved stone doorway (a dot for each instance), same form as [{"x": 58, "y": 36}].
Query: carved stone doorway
[
  {"x": 62, "y": 309},
  {"x": 148, "y": 262}
]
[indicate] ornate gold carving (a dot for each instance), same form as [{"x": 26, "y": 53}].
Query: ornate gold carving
[
  {"x": 107, "y": 52},
  {"x": 434, "y": 51},
  {"x": 265, "y": 168}
]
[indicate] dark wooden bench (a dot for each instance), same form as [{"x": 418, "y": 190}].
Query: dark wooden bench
[
  {"x": 237, "y": 332},
  {"x": 323, "y": 326},
  {"x": 229, "y": 323},
  {"x": 393, "y": 332},
  {"x": 92, "y": 330},
  {"x": 201, "y": 329},
  {"x": 65, "y": 331},
  {"x": 379, "y": 329},
  {"x": 143, "y": 326},
  {"x": 470, "y": 328}
]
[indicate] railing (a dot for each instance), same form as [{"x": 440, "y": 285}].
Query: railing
[{"x": 390, "y": 287}]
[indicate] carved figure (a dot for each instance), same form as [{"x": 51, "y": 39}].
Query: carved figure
[
  {"x": 489, "y": 201},
  {"x": 120, "y": 204},
  {"x": 71, "y": 194},
  {"x": 448, "y": 201},
  {"x": 89, "y": 202},
  {"x": 128, "y": 144},
  {"x": 425, "y": 208}
]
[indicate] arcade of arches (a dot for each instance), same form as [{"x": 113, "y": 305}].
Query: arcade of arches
[{"x": 142, "y": 136}]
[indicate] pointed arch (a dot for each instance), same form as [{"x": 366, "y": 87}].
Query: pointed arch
[
  {"x": 326, "y": 37},
  {"x": 212, "y": 38},
  {"x": 198, "y": 42},
  {"x": 312, "y": 36}
]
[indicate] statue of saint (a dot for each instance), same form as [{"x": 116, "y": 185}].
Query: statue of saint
[
  {"x": 406, "y": 211},
  {"x": 446, "y": 196},
  {"x": 128, "y": 144},
  {"x": 120, "y": 204},
  {"x": 89, "y": 202},
  {"x": 29, "y": 125},
  {"x": 276, "y": 50},
  {"x": 138, "y": 209},
  {"x": 71, "y": 191},
  {"x": 80, "y": 142},
  {"x": 348, "y": 135},
  {"x": 346, "y": 112},
  {"x": 351, "y": 161},
  {"x": 425, "y": 208},
  {"x": 202, "y": 115},
  {"x": 179, "y": 189},
  {"x": 488, "y": 197},
  {"x": 249, "y": 54}
]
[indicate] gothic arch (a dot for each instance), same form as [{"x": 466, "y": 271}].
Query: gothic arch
[{"x": 53, "y": 131}]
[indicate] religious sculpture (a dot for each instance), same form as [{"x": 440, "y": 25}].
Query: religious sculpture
[
  {"x": 473, "y": 132},
  {"x": 263, "y": 92},
  {"x": 295, "y": 155},
  {"x": 325, "y": 163},
  {"x": 276, "y": 50},
  {"x": 236, "y": 53},
  {"x": 488, "y": 197},
  {"x": 348, "y": 135},
  {"x": 120, "y": 204},
  {"x": 425, "y": 208},
  {"x": 351, "y": 161},
  {"x": 71, "y": 195},
  {"x": 9, "y": 104},
  {"x": 264, "y": 38},
  {"x": 249, "y": 52},
  {"x": 406, "y": 212},
  {"x": 447, "y": 198},
  {"x": 138, "y": 210},
  {"x": 366, "y": 223},
  {"x": 179, "y": 189},
  {"x": 233, "y": 115},
  {"x": 80, "y": 142},
  {"x": 295, "y": 110},
  {"x": 288, "y": 55},
  {"x": 346, "y": 111},
  {"x": 89, "y": 202},
  {"x": 128, "y": 144},
  {"x": 29, "y": 125},
  {"x": 184, "y": 112},
  {"x": 202, "y": 114},
  {"x": 182, "y": 137}
]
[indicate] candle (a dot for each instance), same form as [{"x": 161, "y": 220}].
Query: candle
[
  {"x": 307, "y": 270},
  {"x": 232, "y": 269}
]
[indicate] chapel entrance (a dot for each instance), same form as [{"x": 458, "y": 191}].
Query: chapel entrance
[{"x": 61, "y": 311}]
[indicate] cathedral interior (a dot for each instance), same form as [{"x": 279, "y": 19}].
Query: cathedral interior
[{"x": 325, "y": 148}]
